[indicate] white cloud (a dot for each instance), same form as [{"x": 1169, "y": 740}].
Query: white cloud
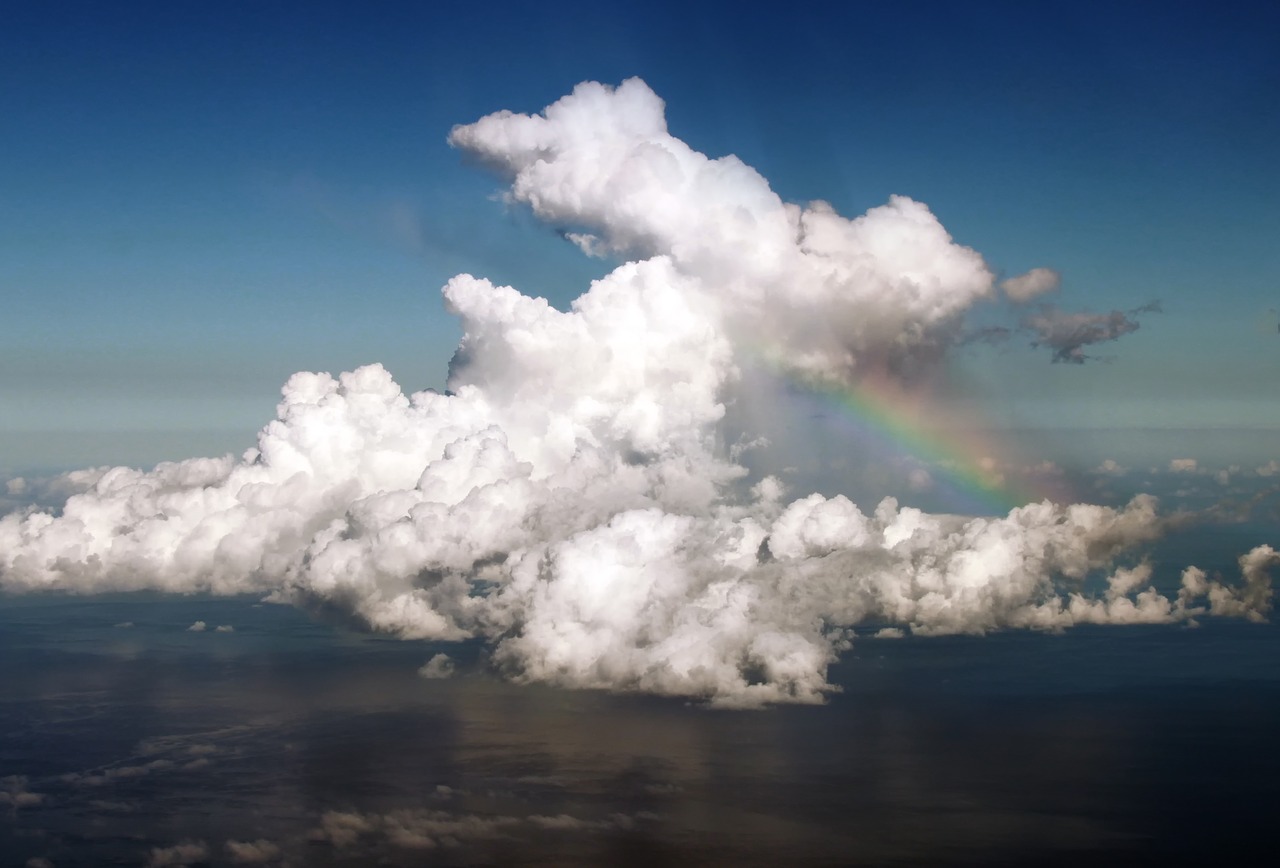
[
  {"x": 1035, "y": 282},
  {"x": 572, "y": 500},
  {"x": 198, "y": 627},
  {"x": 818, "y": 291},
  {"x": 1184, "y": 465}
]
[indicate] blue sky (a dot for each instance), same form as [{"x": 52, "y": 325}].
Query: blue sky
[{"x": 197, "y": 200}]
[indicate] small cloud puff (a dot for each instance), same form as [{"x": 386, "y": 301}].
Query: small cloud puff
[
  {"x": 1110, "y": 467},
  {"x": 439, "y": 666},
  {"x": 1035, "y": 282},
  {"x": 181, "y": 854},
  {"x": 14, "y": 793}
]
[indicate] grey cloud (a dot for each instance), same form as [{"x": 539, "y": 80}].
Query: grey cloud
[
  {"x": 259, "y": 852},
  {"x": 183, "y": 853},
  {"x": 439, "y": 666},
  {"x": 1068, "y": 334},
  {"x": 15, "y": 794},
  {"x": 427, "y": 830},
  {"x": 118, "y": 772}
]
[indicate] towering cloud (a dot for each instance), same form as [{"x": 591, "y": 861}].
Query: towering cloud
[
  {"x": 822, "y": 292},
  {"x": 571, "y": 498}
]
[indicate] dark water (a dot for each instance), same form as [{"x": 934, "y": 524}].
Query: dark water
[{"x": 1115, "y": 746}]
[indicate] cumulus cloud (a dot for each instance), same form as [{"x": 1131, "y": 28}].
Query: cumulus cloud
[
  {"x": 1036, "y": 282},
  {"x": 1249, "y": 601},
  {"x": 48, "y": 492},
  {"x": 571, "y": 499},
  {"x": 823, "y": 292},
  {"x": 439, "y": 666}
]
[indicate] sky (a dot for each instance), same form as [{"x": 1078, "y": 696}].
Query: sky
[
  {"x": 678, "y": 351},
  {"x": 197, "y": 201},
  {"x": 665, "y": 368}
]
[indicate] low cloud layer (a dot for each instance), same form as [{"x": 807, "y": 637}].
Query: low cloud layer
[{"x": 571, "y": 499}]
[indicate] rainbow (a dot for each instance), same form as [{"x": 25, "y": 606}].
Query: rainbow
[{"x": 890, "y": 418}]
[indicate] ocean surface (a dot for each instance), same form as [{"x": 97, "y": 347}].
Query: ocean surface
[{"x": 128, "y": 739}]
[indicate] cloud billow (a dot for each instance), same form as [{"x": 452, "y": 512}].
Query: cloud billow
[{"x": 571, "y": 499}]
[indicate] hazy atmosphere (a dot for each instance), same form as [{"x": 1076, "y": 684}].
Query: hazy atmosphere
[{"x": 490, "y": 436}]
